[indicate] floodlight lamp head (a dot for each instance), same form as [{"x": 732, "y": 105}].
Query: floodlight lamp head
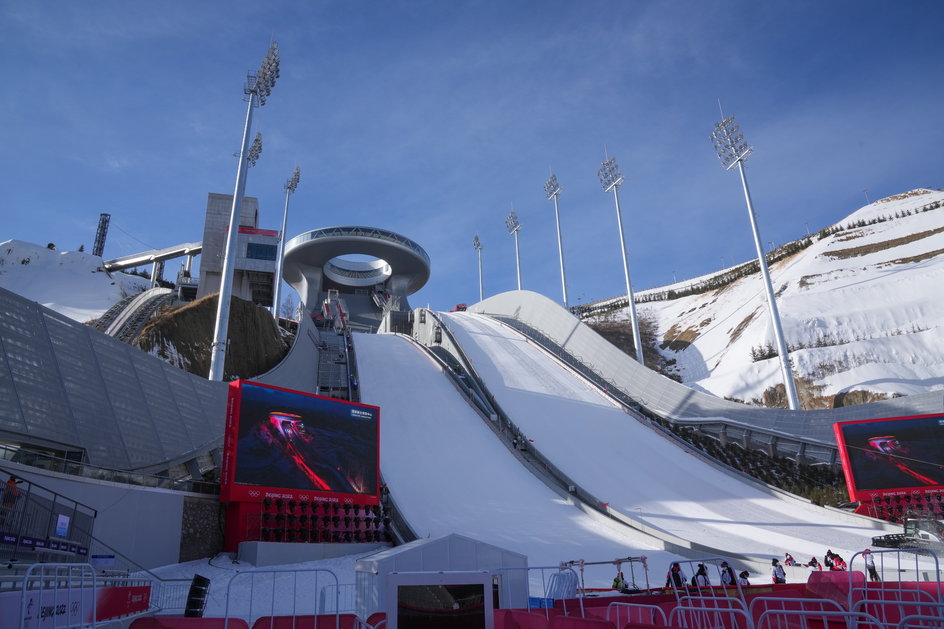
[
  {"x": 551, "y": 187},
  {"x": 260, "y": 84},
  {"x": 292, "y": 184},
  {"x": 609, "y": 175},
  {"x": 477, "y": 243},
  {"x": 729, "y": 143},
  {"x": 255, "y": 150},
  {"x": 511, "y": 222}
]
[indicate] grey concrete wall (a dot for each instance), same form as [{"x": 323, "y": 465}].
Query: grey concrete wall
[
  {"x": 142, "y": 523},
  {"x": 215, "y": 228}
]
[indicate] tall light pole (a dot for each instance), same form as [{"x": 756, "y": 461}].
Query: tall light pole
[
  {"x": 511, "y": 222},
  {"x": 733, "y": 151},
  {"x": 290, "y": 187},
  {"x": 478, "y": 249},
  {"x": 610, "y": 179},
  {"x": 552, "y": 190},
  {"x": 257, "y": 90}
]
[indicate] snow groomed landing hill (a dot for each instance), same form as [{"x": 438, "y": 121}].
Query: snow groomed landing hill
[
  {"x": 449, "y": 473},
  {"x": 72, "y": 283},
  {"x": 641, "y": 473}
]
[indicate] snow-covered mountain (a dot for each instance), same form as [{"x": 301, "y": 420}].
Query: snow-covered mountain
[
  {"x": 860, "y": 303},
  {"x": 72, "y": 283}
]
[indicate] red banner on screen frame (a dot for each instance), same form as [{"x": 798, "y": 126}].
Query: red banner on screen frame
[
  {"x": 892, "y": 456},
  {"x": 289, "y": 445}
]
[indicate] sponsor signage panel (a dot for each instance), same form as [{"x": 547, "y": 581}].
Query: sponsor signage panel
[{"x": 51, "y": 609}]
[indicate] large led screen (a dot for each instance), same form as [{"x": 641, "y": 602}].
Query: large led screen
[
  {"x": 887, "y": 456},
  {"x": 284, "y": 444}
]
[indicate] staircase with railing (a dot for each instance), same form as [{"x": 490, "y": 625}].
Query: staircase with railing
[{"x": 38, "y": 524}]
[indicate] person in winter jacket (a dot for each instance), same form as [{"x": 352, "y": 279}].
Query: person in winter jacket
[
  {"x": 870, "y": 565},
  {"x": 727, "y": 574},
  {"x": 814, "y": 565},
  {"x": 674, "y": 577},
  {"x": 777, "y": 574},
  {"x": 700, "y": 578},
  {"x": 742, "y": 578}
]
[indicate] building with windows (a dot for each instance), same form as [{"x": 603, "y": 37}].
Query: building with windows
[{"x": 256, "y": 251}]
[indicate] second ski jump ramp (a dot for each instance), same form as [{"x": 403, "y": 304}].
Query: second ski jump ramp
[
  {"x": 448, "y": 473},
  {"x": 640, "y": 472}
]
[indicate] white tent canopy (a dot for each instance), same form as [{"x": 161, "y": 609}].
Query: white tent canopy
[{"x": 449, "y": 553}]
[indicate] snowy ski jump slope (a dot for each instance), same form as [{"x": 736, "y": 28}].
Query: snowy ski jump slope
[
  {"x": 448, "y": 473},
  {"x": 641, "y": 473}
]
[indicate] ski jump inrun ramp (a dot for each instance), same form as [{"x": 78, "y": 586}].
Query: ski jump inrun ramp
[{"x": 449, "y": 473}]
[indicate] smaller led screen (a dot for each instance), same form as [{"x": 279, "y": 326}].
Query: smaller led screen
[
  {"x": 292, "y": 445},
  {"x": 883, "y": 456}
]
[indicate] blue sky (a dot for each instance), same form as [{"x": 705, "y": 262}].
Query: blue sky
[{"x": 434, "y": 119}]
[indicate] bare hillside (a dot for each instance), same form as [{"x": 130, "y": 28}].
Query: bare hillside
[{"x": 182, "y": 336}]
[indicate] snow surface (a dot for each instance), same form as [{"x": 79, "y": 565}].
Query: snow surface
[
  {"x": 449, "y": 473},
  {"x": 72, "y": 283},
  {"x": 640, "y": 472},
  {"x": 871, "y": 322},
  {"x": 260, "y": 591}
]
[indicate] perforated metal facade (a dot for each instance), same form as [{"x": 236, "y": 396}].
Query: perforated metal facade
[{"x": 66, "y": 385}]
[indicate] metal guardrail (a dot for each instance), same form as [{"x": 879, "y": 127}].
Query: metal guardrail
[
  {"x": 104, "y": 322},
  {"x": 67, "y": 466},
  {"x": 142, "y": 313},
  {"x": 267, "y": 593},
  {"x": 586, "y": 369}
]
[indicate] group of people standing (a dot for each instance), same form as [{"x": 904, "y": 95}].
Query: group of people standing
[
  {"x": 675, "y": 577},
  {"x": 832, "y": 561}
]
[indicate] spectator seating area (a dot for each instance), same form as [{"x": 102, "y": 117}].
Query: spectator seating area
[{"x": 820, "y": 483}]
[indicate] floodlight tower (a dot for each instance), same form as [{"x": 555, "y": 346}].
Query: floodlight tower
[
  {"x": 257, "y": 90},
  {"x": 478, "y": 249},
  {"x": 610, "y": 179},
  {"x": 733, "y": 151},
  {"x": 290, "y": 187},
  {"x": 511, "y": 222},
  {"x": 552, "y": 190},
  {"x": 101, "y": 233}
]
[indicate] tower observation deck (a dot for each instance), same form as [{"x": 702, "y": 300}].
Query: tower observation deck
[{"x": 373, "y": 269}]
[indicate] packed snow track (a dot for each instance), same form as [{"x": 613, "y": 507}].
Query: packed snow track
[
  {"x": 640, "y": 472},
  {"x": 448, "y": 473}
]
